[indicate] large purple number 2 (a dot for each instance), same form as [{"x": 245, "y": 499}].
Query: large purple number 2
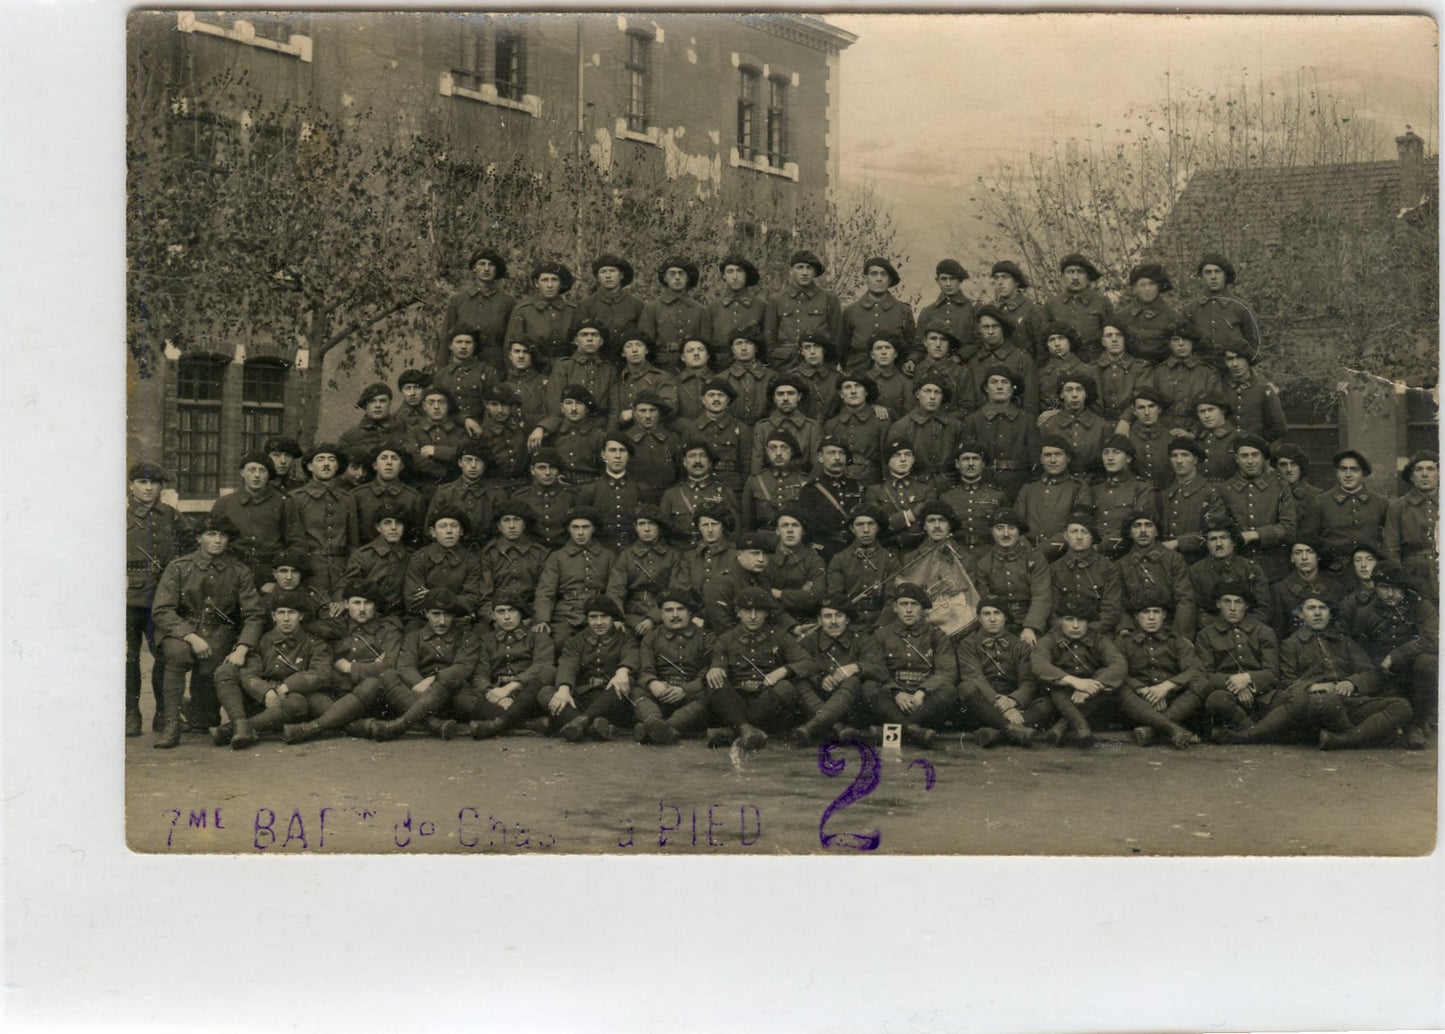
[{"x": 865, "y": 782}]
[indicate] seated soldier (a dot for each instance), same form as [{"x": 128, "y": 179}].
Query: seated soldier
[
  {"x": 434, "y": 662},
  {"x": 514, "y": 663},
  {"x": 900, "y": 494},
  {"x": 997, "y": 687},
  {"x": 549, "y": 502},
  {"x": 1329, "y": 691},
  {"x": 714, "y": 553},
  {"x": 206, "y": 610},
  {"x": 795, "y": 574},
  {"x": 570, "y": 576},
  {"x": 594, "y": 675},
  {"x": 1080, "y": 670},
  {"x": 1015, "y": 572},
  {"x": 388, "y": 462},
  {"x": 1162, "y": 688},
  {"x": 1118, "y": 491},
  {"x": 382, "y": 562},
  {"x": 939, "y": 523},
  {"x": 841, "y": 660},
  {"x": 974, "y": 499},
  {"x": 1262, "y": 503},
  {"x": 275, "y": 683},
  {"x": 1084, "y": 571},
  {"x": 749, "y": 570},
  {"x": 777, "y": 484},
  {"x": 828, "y": 501},
  {"x": 748, "y": 681},
  {"x": 1357, "y": 580},
  {"x": 860, "y": 573},
  {"x": 1400, "y": 630},
  {"x": 919, "y": 687},
  {"x": 643, "y": 571},
  {"x": 445, "y": 564},
  {"x": 291, "y": 572},
  {"x": 1240, "y": 657},
  {"x": 1148, "y": 564},
  {"x": 669, "y": 698},
  {"x": 471, "y": 494},
  {"x": 1046, "y": 502},
  {"x": 1222, "y": 539},
  {"x": 364, "y": 646},
  {"x": 1306, "y": 578}
]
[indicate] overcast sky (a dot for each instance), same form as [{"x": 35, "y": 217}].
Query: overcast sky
[{"x": 929, "y": 102}]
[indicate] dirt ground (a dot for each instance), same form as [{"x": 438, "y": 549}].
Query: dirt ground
[{"x": 526, "y": 794}]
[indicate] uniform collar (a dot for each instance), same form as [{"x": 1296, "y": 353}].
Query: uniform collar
[{"x": 881, "y": 301}]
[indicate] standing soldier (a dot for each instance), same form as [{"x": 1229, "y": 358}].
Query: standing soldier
[
  {"x": 877, "y": 313},
  {"x": 327, "y": 518},
  {"x": 1348, "y": 513},
  {"x": 817, "y": 372},
  {"x": 585, "y": 368},
  {"x": 513, "y": 664},
  {"x": 696, "y": 371},
  {"x": 997, "y": 687},
  {"x": 1262, "y": 504},
  {"x": 153, "y": 536},
  {"x": 610, "y": 303},
  {"x": 543, "y": 321},
  {"x": 1151, "y": 436},
  {"x": 1148, "y": 564},
  {"x": 749, "y": 687},
  {"x": 801, "y": 309},
  {"x": 1183, "y": 377},
  {"x": 549, "y": 501},
  {"x": 465, "y": 376},
  {"x": 841, "y": 660},
  {"x": 615, "y": 496},
  {"x": 739, "y": 305},
  {"x": 713, "y": 555},
  {"x": 1117, "y": 373},
  {"x": 1219, "y": 316},
  {"x": 388, "y": 461},
  {"x": 1290, "y": 463},
  {"x": 861, "y": 426},
  {"x": 483, "y": 305},
  {"x": 1017, "y": 574},
  {"x": 1222, "y": 538},
  {"x": 1080, "y": 670},
  {"x": 699, "y": 488},
  {"x": 206, "y": 610},
  {"x": 776, "y": 486},
  {"x": 643, "y": 571},
  {"x": 939, "y": 358},
  {"x": 795, "y": 574},
  {"x": 933, "y": 432},
  {"x": 1080, "y": 304},
  {"x": 952, "y": 309},
  {"x": 1188, "y": 502},
  {"x": 1003, "y": 428},
  {"x": 900, "y": 495},
  {"x": 728, "y": 439},
  {"x": 1023, "y": 314},
  {"x": 284, "y": 452},
  {"x": 1078, "y": 422},
  {"x": 1118, "y": 491},
  {"x": 381, "y": 561},
  {"x": 997, "y": 348},
  {"x": 748, "y": 377},
  {"x": 1084, "y": 571},
  {"x": 1412, "y": 522},
  {"x": 639, "y": 377},
  {"x": 828, "y": 501},
  {"x": 974, "y": 500},
  {"x": 669, "y": 698},
  {"x": 444, "y": 563},
  {"x": 377, "y": 424},
  {"x": 570, "y": 576},
  {"x": 410, "y": 384},
  {"x": 1257, "y": 408},
  {"x": 1216, "y": 434},
  {"x": 785, "y": 395},
  {"x": 512, "y": 561},
  {"x": 431, "y": 445},
  {"x": 1145, "y": 315},
  {"x": 676, "y": 316},
  {"x": 265, "y": 520},
  {"x": 1240, "y": 657},
  {"x": 656, "y": 448},
  {"x": 1306, "y": 578},
  {"x": 505, "y": 436},
  {"x": 1046, "y": 502}
]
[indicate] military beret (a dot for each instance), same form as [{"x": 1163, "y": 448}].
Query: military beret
[
  {"x": 445, "y": 600},
  {"x": 1219, "y": 519},
  {"x": 558, "y": 270},
  {"x": 589, "y": 324},
  {"x": 1150, "y": 271},
  {"x": 291, "y": 599},
  {"x": 748, "y": 332},
  {"x": 601, "y": 604},
  {"x": 839, "y": 602},
  {"x": 1121, "y": 442},
  {"x": 1083, "y": 380},
  {"x": 754, "y": 540},
  {"x": 823, "y": 341},
  {"x": 1000, "y": 370},
  {"x": 478, "y": 448},
  {"x": 1359, "y": 457},
  {"x": 1084, "y": 518},
  {"x": 1056, "y": 441},
  {"x": 1004, "y": 515},
  {"x": 216, "y": 522},
  {"x": 256, "y": 457},
  {"x": 418, "y": 377},
  {"x": 997, "y": 603},
  {"x": 1075, "y": 259},
  {"x": 1150, "y": 596},
  {"x": 1152, "y": 394},
  {"x": 621, "y": 439},
  {"x": 1187, "y": 444},
  {"x": 834, "y": 442},
  {"x": 719, "y": 512},
  {"x": 547, "y": 455},
  {"x": 1186, "y": 330},
  {"x": 516, "y": 601},
  {"x": 1077, "y": 605},
  {"x": 363, "y": 588},
  {"x": 676, "y": 595},
  {"x": 1236, "y": 345},
  {"x": 975, "y": 448},
  {"x": 883, "y": 264},
  {"x": 912, "y": 591},
  {"x": 937, "y": 508},
  {"x": 937, "y": 326},
  {"x": 146, "y": 471},
  {"x": 754, "y": 599},
  {"x": 391, "y": 445},
  {"x": 1117, "y": 324},
  {"x": 509, "y": 506},
  {"x": 870, "y": 510},
  {"x": 996, "y": 314},
  {"x": 1290, "y": 451},
  {"x": 434, "y": 390},
  {"x": 1063, "y": 330},
  {"x": 789, "y": 380},
  {"x": 393, "y": 509},
  {"x": 722, "y": 385},
  {"x": 896, "y": 445},
  {"x": 371, "y": 391},
  {"x": 868, "y": 384},
  {"x": 807, "y": 258},
  {"x": 1251, "y": 441},
  {"x": 1389, "y": 573},
  {"x": 698, "y": 443},
  {"x": 289, "y": 446},
  {"x": 452, "y": 513},
  {"x": 578, "y": 393},
  {"x": 292, "y": 557},
  {"x": 653, "y": 399},
  {"x": 1359, "y": 547},
  {"x": 631, "y": 334},
  {"x": 1234, "y": 587},
  {"x": 778, "y": 434},
  {"x": 887, "y": 338},
  {"x": 750, "y": 271},
  {"x": 1215, "y": 259},
  {"x": 1010, "y": 269},
  {"x": 491, "y": 255},
  {"x": 1423, "y": 456},
  {"x": 503, "y": 393},
  {"x": 950, "y": 267},
  {"x": 935, "y": 378},
  {"x": 1129, "y": 519},
  {"x": 582, "y": 513},
  {"x": 616, "y": 262},
  {"x": 650, "y": 512},
  {"x": 1214, "y": 398},
  {"x": 324, "y": 449},
  {"x": 793, "y": 510},
  {"x": 678, "y": 262}
]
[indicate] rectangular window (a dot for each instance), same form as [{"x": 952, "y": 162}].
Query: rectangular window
[
  {"x": 777, "y": 123},
  {"x": 638, "y": 80},
  {"x": 198, "y": 446},
  {"x": 471, "y": 67},
  {"x": 748, "y": 113},
  {"x": 509, "y": 67},
  {"x": 263, "y": 404}
]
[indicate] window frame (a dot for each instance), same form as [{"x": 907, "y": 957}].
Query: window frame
[
  {"x": 638, "y": 117},
  {"x": 198, "y": 470},
  {"x": 262, "y": 418},
  {"x": 749, "y": 82},
  {"x": 474, "y": 76},
  {"x": 776, "y": 122}
]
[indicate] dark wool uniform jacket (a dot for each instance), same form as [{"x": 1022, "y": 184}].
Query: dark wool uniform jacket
[
  {"x": 371, "y": 648},
  {"x": 301, "y": 661},
  {"x": 203, "y": 594},
  {"x": 1250, "y": 647},
  {"x": 452, "y": 658}
]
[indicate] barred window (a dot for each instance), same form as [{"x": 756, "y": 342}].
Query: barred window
[
  {"x": 748, "y": 121},
  {"x": 263, "y": 404},
  {"x": 198, "y": 405},
  {"x": 509, "y": 67},
  {"x": 777, "y": 122},
  {"x": 639, "y": 80}
]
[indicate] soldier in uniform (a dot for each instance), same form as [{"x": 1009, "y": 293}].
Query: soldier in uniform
[
  {"x": 1257, "y": 408},
  {"x": 876, "y": 313},
  {"x": 817, "y": 374},
  {"x": 611, "y": 303},
  {"x": 364, "y": 646},
  {"x": 676, "y": 316},
  {"x": 1188, "y": 502},
  {"x": 1412, "y": 523},
  {"x": 785, "y": 396},
  {"x": 933, "y": 432},
  {"x": 1260, "y": 501},
  {"x": 277, "y": 680},
  {"x": 206, "y": 610},
  {"x": 1306, "y": 578},
  {"x": 939, "y": 358},
  {"x": 505, "y": 436},
  {"x": 570, "y": 576},
  {"x": 748, "y": 377},
  {"x": 801, "y": 309},
  {"x": 996, "y": 348},
  {"x": 749, "y": 570},
  {"x": 1147, "y": 316},
  {"x": 840, "y": 660},
  {"x": 1080, "y": 304},
  {"x": 445, "y": 563},
  {"x": 951, "y": 309},
  {"x": 1117, "y": 372},
  {"x": 1290, "y": 463},
  {"x": 997, "y": 688},
  {"x": 388, "y": 461},
  {"x": 696, "y": 371},
  {"x": 382, "y": 560},
  {"x": 514, "y": 663},
  {"x": 1151, "y": 436},
  {"x": 1349, "y": 513},
  {"x": 528, "y": 374},
  {"x": 643, "y": 571},
  {"x": 738, "y": 305},
  {"x": 265, "y": 519},
  {"x": 1003, "y": 428},
  {"x": 1077, "y": 422},
  {"x": 919, "y": 687},
  {"x": 1016, "y": 573},
  {"x": 795, "y": 573},
  {"x": 1047, "y": 501},
  {"x": 860, "y": 426},
  {"x": 1161, "y": 689},
  {"x": 669, "y": 697},
  {"x": 1216, "y": 435},
  {"x": 284, "y": 452},
  {"x": 713, "y": 554},
  {"x": 860, "y": 573},
  {"x": 828, "y": 501},
  {"x": 483, "y": 305},
  {"x": 1240, "y": 657},
  {"x": 728, "y": 438},
  {"x": 1117, "y": 491},
  {"x": 640, "y": 378},
  {"x": 974, "y": 499},
  {"x": 1061, "y": 359},
  {"x": 512, "y": 561},
  {"x": 749, "y": 679},
  {"x": 377, "y": 424},
  {"x": 431, "y": 446},
  {"x": 1084, "y": 571},
  {"x": 412, "y": 384},
  {"x": 465, "y": 376},
  {"x": 699, "y": 488},
  {"x": 895, "y": 388},
  {"x": 1220, "y": 316},
  {"x": 435, "y": 661},
  {"x": 549, "y": 501},
  {"x": 1400, "y": 630},
  {"x": 577, "y": 438},
  {"x": 1223, "y": 563},
  {"x": 1148, "y": 564},
  {"x": 585, "y": 368},
  {"x": 1183, "y": 377},
  {"x": 1081, "y": 672},
  {"x": 1024, "y": 315},
  {"x": 153, "y": 536},
  {"x": 616, "y": 495},
  {"x": 656, "y": 448},
  {"x": 326, "y": 516},
  {"x": 900, "y": 494},
  {"x": 543, "y": 321}
]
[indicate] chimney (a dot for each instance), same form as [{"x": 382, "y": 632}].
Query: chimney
[{"x": 1412, "y": 168}]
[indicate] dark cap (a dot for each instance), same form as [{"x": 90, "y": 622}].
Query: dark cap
[
  {"x": 1121, "y": 442},
  {"x": 833, "y": 441},
  {"x": 1214, "y": 398},
  {"x": 750, "y": 271},
  {"x": 1251, "y": 441},
  {"x": 149, "y": 472},
  {"x": 289, "y": 446},
  {"x": 840, "y": 603},
  {"x": 1216, "y": 259},
  {"x": 547, "y": 455},
  {"x": 578, "y": 393},
  {"x": 678, "y": 262},
  {"x": 516, "y": 601},
  {"x": 216, "y": 522},
  {"x": 1075, "y": 259},
  {"x": 1150, "y": 271},
  {"x": 1077, "y": 605},
  {"x": 478, "y": 448},
  {"x": 1151, "y": 394},
  {"x": 754, "y": 540},
  {"x": 292, "y": 557},
  {"x": 556, "y": 269},
  {"x": 950, "y": 267},
  {"x": 1359, "y": 457},
  {"x": 754, "y": 599},
  {"x": 600, "y": 604},
  {"x": 653, "y": 399},
  {"x": 445, "y": 600},
  {"x": 722, "y": 385},
  {"x": 1187, "y": 444},
  {"x": 806, "y": 257},
  {"x": 258, "y": 457},
  {"x": 454, "y": 513},
  {"x": 615, "y": 261},
  {"x": 491, "y": 255},
  {"x": 1150, "y": 596},
  {"x": 912, "y": 591},
  {"x": 371, "y": 391},
  {"x": 883, "y": 264},
  {"x": 1003, "y": 319},
  {"x": 1010, "y": 269},
  {"x": 291, "y": 599},
  {"x": 1423, "y": 456},
  {"x": 1234, "y": 587},
  {"x": 676, "y": 595},
  {"x": 362, "y": 587},
  {"x": 418, "y": 377}
]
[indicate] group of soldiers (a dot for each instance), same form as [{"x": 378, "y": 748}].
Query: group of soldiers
[{"x": 709, "y": 518}]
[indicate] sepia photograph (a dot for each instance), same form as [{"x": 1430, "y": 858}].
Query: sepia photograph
[{"x": 687, "y": 432}]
